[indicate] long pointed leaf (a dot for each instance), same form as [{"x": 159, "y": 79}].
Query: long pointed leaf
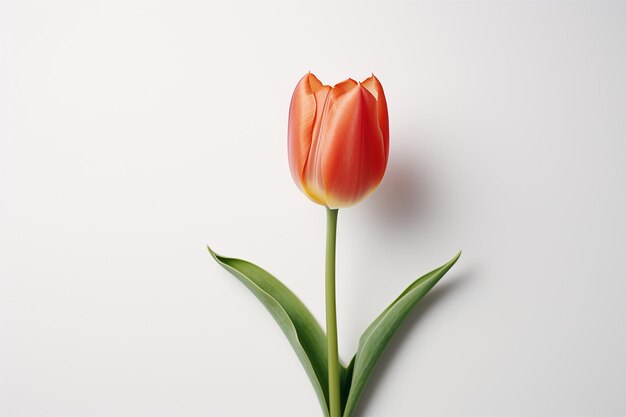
[
  {"x": 346, "y": 382},
  {"x": 376, "y": 337},
  {"x": 302, "y": 330}
]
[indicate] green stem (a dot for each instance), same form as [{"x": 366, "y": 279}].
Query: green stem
[{"x": 331, "y": 314}]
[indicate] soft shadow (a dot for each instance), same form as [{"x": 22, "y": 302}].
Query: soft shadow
[
  {"x": 431, "y": 299},
  {"x": 403, "y": 194}
]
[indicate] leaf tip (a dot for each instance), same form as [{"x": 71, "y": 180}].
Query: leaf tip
[
  {"x": 213, "y": 254},
  {"x": 455, "y": 258}
]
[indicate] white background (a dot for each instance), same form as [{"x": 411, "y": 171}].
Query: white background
[{"x": 132, "y": 133}]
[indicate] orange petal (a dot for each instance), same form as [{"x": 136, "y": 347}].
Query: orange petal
[
  {"x": 313, "y": 170},
  {"x": 373, "y": 86},
  {"x": 302, "y": 111},
  {"x": 353, "y": 159},
  {"x": 311, "y": 180}
]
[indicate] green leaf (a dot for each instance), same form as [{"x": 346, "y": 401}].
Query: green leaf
[
  {"x": 376, "y": 337},
  {"x": 304, "y": 333}
]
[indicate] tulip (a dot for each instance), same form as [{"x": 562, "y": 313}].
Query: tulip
[
  {"x": 338, "y": 150},
  {"x": 338, "y": 139}
]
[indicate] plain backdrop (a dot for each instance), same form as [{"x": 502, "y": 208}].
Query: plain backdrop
[{"x": 133, "y": 133}]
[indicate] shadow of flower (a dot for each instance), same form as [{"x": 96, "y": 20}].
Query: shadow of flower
[{"x": 403, "y": 194}]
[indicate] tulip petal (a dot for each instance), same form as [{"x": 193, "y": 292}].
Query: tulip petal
[
  {"x": 311, "y": 185},
  {"x": 342, "y": 88},
  {"x": 313, "y": 170},
  {"x": 302, "y": 118},
  {"x": 353, "y": 158},
  {"x": 374, "y": 86}
]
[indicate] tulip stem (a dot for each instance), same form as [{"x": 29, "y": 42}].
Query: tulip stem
[{"x": 331, "y": 314}]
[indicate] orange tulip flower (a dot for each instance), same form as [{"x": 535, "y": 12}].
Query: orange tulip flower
[
  {"x": 338, "y": 139},
  {"x": 338, "y": 151}
]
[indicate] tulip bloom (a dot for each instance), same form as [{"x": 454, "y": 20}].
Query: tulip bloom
[{"x": 338, "y": 139}]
